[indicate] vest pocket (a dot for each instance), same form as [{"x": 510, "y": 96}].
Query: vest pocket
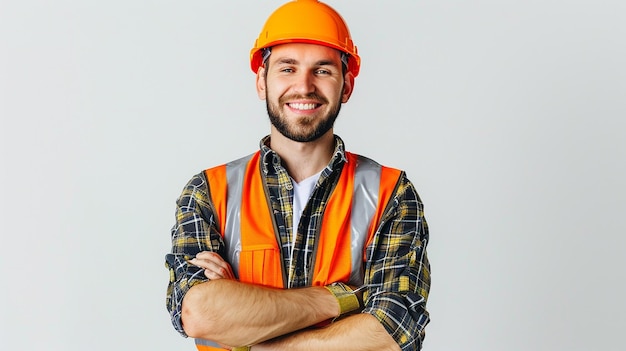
[{"x": 261, "y": 264}]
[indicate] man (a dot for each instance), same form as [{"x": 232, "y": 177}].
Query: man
[{"x": 301, "y": 245}]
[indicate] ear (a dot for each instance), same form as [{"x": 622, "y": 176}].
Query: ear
[
  {"x": 261, "y": 84},
  {"x": 348, "y": 87}
]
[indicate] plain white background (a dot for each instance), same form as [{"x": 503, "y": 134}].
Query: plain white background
[{"x": 507, "y": 115}]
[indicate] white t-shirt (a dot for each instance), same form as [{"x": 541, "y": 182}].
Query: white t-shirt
[{"x": 301, "y": 194}]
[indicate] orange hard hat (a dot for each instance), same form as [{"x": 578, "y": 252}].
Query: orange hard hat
[{"x": 305, "y": 21}]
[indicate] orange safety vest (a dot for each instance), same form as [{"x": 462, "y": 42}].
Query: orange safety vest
[{"x": 351, "y": 218}]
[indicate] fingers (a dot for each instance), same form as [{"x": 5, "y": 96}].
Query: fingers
[{"x": 214, "y": 265}]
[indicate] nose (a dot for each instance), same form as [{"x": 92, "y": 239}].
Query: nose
[{"x": 304, "y": 83}]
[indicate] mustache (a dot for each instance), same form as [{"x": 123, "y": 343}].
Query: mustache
[{"x": 312, "y": 96}]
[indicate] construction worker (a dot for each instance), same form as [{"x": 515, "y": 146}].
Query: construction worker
[{"x": 301, "y": 245}]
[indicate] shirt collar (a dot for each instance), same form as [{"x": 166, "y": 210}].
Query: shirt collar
[{"x": 271, "y": 160}]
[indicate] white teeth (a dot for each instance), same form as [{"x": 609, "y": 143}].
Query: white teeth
[{"x": 302, "y": 106}]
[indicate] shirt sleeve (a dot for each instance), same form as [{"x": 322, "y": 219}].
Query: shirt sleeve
[
  {"x": 397, "y": 272},
  {"x": 195, "y": 231}
]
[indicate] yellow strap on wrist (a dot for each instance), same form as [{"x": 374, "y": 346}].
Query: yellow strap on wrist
[
  {"x": 347, "y": 299},
  {"x": 241, "y": 348}
]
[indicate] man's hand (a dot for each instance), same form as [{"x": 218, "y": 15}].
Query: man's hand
[{"x": 214, "y": 265}]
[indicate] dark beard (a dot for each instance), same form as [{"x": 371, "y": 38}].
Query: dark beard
[{"x": 283, "y": 127}]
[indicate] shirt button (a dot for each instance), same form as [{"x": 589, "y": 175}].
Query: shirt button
[{"x": 298, "y": 272}]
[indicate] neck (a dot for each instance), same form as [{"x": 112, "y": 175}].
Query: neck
[{"x": 303, "y": 160}]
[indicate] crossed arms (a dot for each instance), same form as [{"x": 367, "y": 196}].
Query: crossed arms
[{"x": 234, "y": 313}]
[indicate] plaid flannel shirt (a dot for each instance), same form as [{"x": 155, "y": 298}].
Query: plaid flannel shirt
[{"x": 397, "y": 271}]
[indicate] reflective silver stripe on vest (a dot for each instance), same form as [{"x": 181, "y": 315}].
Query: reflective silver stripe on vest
[
  {"x": 235, "y": 172},
  {"x": 364, "y": 202},
  {"x": 205, "y": 342}
]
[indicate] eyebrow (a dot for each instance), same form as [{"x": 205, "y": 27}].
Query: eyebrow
[{"x": 290, "y": 61}]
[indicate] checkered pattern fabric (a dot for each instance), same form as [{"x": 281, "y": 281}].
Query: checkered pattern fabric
[{"x": 397, "y": 271}]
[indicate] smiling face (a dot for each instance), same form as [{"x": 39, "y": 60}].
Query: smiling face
[{"x": 304, "y": 86}]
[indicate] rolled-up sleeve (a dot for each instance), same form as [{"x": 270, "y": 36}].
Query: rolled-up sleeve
[
  {"x": 397, "y": 273},
  {"x": 195, "y": 231}
]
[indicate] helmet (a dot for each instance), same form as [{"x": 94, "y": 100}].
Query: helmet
[{"x": 305, "y": 21}]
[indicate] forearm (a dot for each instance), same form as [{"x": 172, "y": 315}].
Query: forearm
[
  {"x": 234, "y": 313},
  {"x": 361, "y": 332}
]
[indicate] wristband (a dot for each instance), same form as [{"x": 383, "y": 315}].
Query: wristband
[
  {"x": 347, "y": 299},
  {"x": 241, "y": 348}
]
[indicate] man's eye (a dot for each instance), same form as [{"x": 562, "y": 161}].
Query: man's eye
[
  {"x": 287, "y": 70},
  {"x": 322, "y": 71}
]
